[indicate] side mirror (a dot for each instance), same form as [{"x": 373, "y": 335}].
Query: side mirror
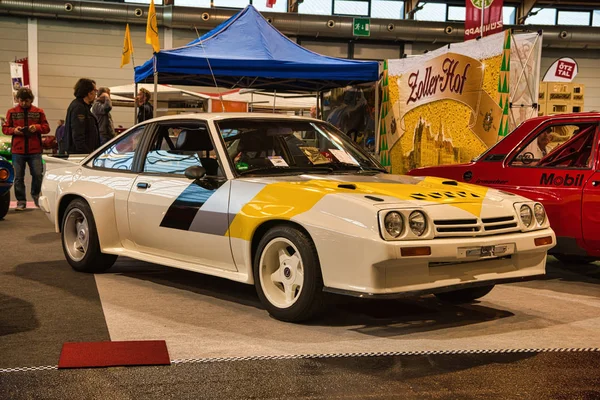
[{"x": 195, "y": 172}]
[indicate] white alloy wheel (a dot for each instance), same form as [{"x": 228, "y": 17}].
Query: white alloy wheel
[
  {"x": 76, "y": 234},
  {"x": 281, "y": 272}
]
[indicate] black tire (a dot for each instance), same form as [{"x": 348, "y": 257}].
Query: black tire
[
  {"x": 464, "y": 295},
  {"x": 93, "y": 260},
  {"x": 4, "y": 204},
  {"x": 569, "y": 259},
  {"x": 309, "y": 301}
]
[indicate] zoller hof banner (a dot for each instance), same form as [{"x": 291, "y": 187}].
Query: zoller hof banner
[
  {"x": 492, "y": 18},
  {"x": 444, "y": 107}
]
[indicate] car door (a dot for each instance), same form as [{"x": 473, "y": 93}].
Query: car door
[
  {"x": 176, "y": 217},
  {"x": 590, "y": 215},
  {"x": 115, "y": 168},
  {"x": 552, "y": 167}
]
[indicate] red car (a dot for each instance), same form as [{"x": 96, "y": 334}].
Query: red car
[{"x": 554, "y": 160}]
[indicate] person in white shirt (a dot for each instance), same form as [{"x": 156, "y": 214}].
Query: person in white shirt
[{"x": 537, "y": 149}]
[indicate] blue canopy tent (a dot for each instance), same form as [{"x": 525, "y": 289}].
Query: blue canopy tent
[{"x": 246, "y": 51}]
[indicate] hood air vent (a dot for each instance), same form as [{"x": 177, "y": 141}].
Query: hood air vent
[
  {"x": 350, "y": 186},
  {"x": 373, "y": 198}
]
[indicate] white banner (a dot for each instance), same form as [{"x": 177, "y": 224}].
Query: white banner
[
  {"x": 525, "y": 58},
  {"x": 562, "y": 70},
  {"x": 16, "y": 77}
]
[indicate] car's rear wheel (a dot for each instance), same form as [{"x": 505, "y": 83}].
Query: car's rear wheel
[
  {"x": 464, "y": 295},
  {"x": 287, "y": 274},
  {"x": 569, "y": 259},
  {"x": 4, "y": 204},
  {"x": 80, "y": 239}
]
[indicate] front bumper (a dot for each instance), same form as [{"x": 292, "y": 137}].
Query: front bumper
[{"x": 448, "y": 267}]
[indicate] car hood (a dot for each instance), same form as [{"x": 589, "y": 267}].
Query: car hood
[{"x": 385, "y": 189}]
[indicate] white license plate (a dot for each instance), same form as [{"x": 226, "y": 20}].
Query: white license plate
[{"x": 499, "y": 250}]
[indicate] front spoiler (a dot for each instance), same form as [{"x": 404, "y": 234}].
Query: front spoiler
[{"x": 416, "y": 293}]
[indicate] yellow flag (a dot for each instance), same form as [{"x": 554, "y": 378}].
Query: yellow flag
[
  {"x": 127, "y": 48},
  {"x": 152, "y": 28}
]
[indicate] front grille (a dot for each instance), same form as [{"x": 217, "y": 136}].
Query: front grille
[
  {"x": 500, "y": 219},
  {"x": 475, "y": 227},
  {"x": 497, "y": 227}
]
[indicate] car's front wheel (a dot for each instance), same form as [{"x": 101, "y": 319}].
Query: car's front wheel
[
  {"x": 80, "y": 239},
  {"x": 464, "y": 295},
  {"x": 569, "y": 259},
  {"x": 4, "y": 204},
  {"x": 287, "y": 274}
]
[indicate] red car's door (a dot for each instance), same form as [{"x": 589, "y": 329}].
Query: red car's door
[{"x": 590, "y": 216}]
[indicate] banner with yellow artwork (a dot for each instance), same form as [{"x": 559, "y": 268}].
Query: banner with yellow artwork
[{"x": 446, "y": 106}]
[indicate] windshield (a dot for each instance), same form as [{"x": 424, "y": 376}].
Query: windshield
[
  {"x": 482, "y": 155},
  {"x": 269, "y": 146}
]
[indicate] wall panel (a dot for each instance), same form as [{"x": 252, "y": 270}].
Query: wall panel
[{"x": 13, "y": 45}]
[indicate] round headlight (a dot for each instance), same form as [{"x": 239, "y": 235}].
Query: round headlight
[
  {"x": 417, "y": 223},
  {"x": 394, "y": 224},
  {"x": 540, "y": 213},
  {"x": 4, "y": 174},
  {"x": 526, "y": 215}
]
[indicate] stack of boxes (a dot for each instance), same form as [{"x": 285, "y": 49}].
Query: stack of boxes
[{"x": 560, "y": 98}]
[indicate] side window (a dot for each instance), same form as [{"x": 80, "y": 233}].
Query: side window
[
  {"x": 120, "y": 154},
  {"x": 560, "y": 146},
  {"x": 180, "y": 146}
]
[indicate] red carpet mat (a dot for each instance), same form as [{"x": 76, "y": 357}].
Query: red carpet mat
[{"x": 113, "y": 354}]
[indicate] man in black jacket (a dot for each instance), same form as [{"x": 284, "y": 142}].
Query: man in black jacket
[{"x": 81, "y": 127}]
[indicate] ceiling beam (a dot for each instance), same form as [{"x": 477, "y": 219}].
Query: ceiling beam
[{"x": 524, "y": 9}]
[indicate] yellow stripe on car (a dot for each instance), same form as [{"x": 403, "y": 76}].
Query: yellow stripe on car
[{"x": 285, "y": 200}]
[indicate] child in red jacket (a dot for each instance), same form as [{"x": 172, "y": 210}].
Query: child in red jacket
[{"x": 26, "y": 124}]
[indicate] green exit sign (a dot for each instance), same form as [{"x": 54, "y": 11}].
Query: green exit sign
[{"x": 362, "y": 27}]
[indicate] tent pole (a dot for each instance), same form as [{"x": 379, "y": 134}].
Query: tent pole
[
  {"x": 376, "y": 115},
  {"x": 322, "y": 115},
  {"x": 274, "y": 99},
  {"x": 317, "y": 108},
  {"x": 252, "y": 101},
  {"x": 155, "y": 98},
  {"x": 135, "y": 105}
]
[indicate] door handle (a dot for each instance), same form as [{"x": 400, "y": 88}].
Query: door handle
[
  {"x": 595, "y": 183},
  {"x": 143, "y": 185}
]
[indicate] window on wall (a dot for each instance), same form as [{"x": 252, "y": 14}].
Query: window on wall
[
  {"x": 509, "y": 15},
  {"x": 231, "y": 3},
  {"x": 431, "y": 12},
  {"x": 574, "y": 18},
  {"x": 457, "y": 13},
  {"x": 318, "y": 7},
  {"x": 542, "y": 16},
  {"x": 351, "y": 7},
  {"x": 596, "y": 18},
  {"x": 156, "y": 2},
  {"x": 193, "y": 3},
  {"x": 389, "y": 9}
]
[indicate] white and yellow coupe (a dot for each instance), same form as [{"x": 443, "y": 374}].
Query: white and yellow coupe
[{"x": 290, "y": 205}]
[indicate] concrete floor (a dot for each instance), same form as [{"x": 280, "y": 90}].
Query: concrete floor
[{"x": 44, "y": 303}]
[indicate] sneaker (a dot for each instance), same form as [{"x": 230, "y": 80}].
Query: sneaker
[{"x": 21, "y": 206}]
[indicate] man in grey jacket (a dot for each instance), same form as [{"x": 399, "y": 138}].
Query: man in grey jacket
[{"x": 101, "y": 110}]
